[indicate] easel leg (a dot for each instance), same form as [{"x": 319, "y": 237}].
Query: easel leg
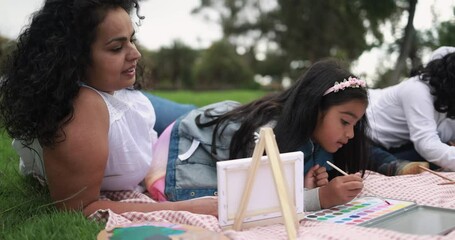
[{"x": 268, "y": 143}]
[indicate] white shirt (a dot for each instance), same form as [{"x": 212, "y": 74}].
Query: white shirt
[
  {"x": 131, "y": 137},
  {"x": 405, "y": 112}
]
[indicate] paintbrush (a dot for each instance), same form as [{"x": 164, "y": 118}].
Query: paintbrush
[
  {"x": 364, "y": 188},
  {"x": 439, "y": 175},
  {"x": 447, "y": 183}
]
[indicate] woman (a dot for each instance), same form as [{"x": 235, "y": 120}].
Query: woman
[{"x": 71, "y": 86}]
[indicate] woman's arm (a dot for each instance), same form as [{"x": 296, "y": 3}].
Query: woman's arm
[
  {"x": 75, "y": 167},
  {"x": 208, "y": 206}
]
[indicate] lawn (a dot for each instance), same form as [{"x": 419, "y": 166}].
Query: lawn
[
  {"x": 204, "y": 98},
  {"x": 26, "y": 211}
]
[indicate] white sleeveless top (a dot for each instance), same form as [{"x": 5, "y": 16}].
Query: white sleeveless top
[{"x": 131, "y": 137}]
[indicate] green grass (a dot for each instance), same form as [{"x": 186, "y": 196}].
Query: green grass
[
  {"x": 26, "y": 211},
  {"x": 204, "y": 98}
]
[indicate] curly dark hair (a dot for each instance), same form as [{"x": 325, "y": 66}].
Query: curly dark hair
[
  {"x": 440, "y": 75},
  {"x": 296, "y": 113},
  {"x": 43, "y": 74}
]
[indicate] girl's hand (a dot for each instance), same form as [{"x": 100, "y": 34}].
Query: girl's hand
[
  {"x": 340, "y": 190},
  {"x": 317, "y": 176}
]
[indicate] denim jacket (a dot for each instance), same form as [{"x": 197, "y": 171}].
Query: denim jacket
[
  {"x": 314, "y": 154},
  {"x": 191, "y": 167}
]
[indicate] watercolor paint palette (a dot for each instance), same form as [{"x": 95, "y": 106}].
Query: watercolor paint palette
[
  {"x": 400, "y": 216},
  {"x": 360, "y": 211}
]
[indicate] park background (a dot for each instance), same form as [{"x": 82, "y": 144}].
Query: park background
[
  {"x": 231, "y": 44},
  {"x": 233, "y": 49}
]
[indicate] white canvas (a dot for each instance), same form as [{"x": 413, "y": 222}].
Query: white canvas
[{"x": 264, "y": 202}]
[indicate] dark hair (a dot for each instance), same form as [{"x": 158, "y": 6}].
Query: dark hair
[
  {"x": 43, "y": 75},
  {"x": 440, "y": 75},
  {"x": 296, "y": 110}
]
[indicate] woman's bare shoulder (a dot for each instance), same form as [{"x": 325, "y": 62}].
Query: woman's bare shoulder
[
  {"x": 88, "y": 97},
  {"x": 78, "y": 161}
]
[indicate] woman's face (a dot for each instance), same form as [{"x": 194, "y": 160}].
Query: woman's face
[
  {"x": 114, "y": 54},
  {"x": 336, "y": 126}
]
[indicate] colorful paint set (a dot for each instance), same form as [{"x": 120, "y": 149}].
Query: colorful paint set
[{"x": 360, "y": 211}]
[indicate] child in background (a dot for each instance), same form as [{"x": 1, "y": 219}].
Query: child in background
[
  {"x": 322, "y": 114},
  {"x": 414, "y": 120}
]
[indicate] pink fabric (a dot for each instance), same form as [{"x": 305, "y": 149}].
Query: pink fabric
[
  {"x": 421, "y": 188},
  {"x": 155, "y": 179},
  {"x": 156, "y": 190}
]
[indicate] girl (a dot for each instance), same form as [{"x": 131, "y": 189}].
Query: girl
[
  {"x": 414, "y": 120},
  {"x": 70, "y": 85},
  {"x": 323, "y": 115}
]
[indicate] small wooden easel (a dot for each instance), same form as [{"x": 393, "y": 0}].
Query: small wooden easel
[{"x": 268, "y": 143}]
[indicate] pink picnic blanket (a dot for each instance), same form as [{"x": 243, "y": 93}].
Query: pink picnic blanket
[{"x": 421, "y": 188}]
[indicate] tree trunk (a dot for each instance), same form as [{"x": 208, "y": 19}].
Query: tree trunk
[{"x": 406, "y": 45}]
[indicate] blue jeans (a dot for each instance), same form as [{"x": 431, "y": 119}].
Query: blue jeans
[
  {"x": 166, "y": 111},
  {"x": 380, "y": 156}
]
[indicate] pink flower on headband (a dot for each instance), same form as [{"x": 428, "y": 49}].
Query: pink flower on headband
[{"x": 352, "y": 82}]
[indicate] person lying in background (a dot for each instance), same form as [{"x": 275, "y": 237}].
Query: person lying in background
[{"x": 414, "y": 121}]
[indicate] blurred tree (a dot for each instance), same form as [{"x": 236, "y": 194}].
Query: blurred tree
[
  {"x": 273, "y": 65},
  {"x": 407, "y": 47},
  {"x": 304, "y": 30},
  {"x": 6, "y": 47},
  {"x": 148, "y": 67},
  {"x": 3, "y": 41},
  {"x": 446, "y": 35},
  {"x": 412, "y": 43},
  {"x": 174, "y": 64},
  {"x": 220, "y": 67},
  {"x": 383, "y": 79},
  {"x": 441, "y": 35}
]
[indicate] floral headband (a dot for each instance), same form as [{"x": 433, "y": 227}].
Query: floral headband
[{"x": 352, "y": 82}]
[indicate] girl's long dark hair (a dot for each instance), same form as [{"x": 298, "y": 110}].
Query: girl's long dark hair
[
  {"x": 295, "y": 111},
  {"x": 43, "y": 74},
  {"x": 440, "y": 75}
]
